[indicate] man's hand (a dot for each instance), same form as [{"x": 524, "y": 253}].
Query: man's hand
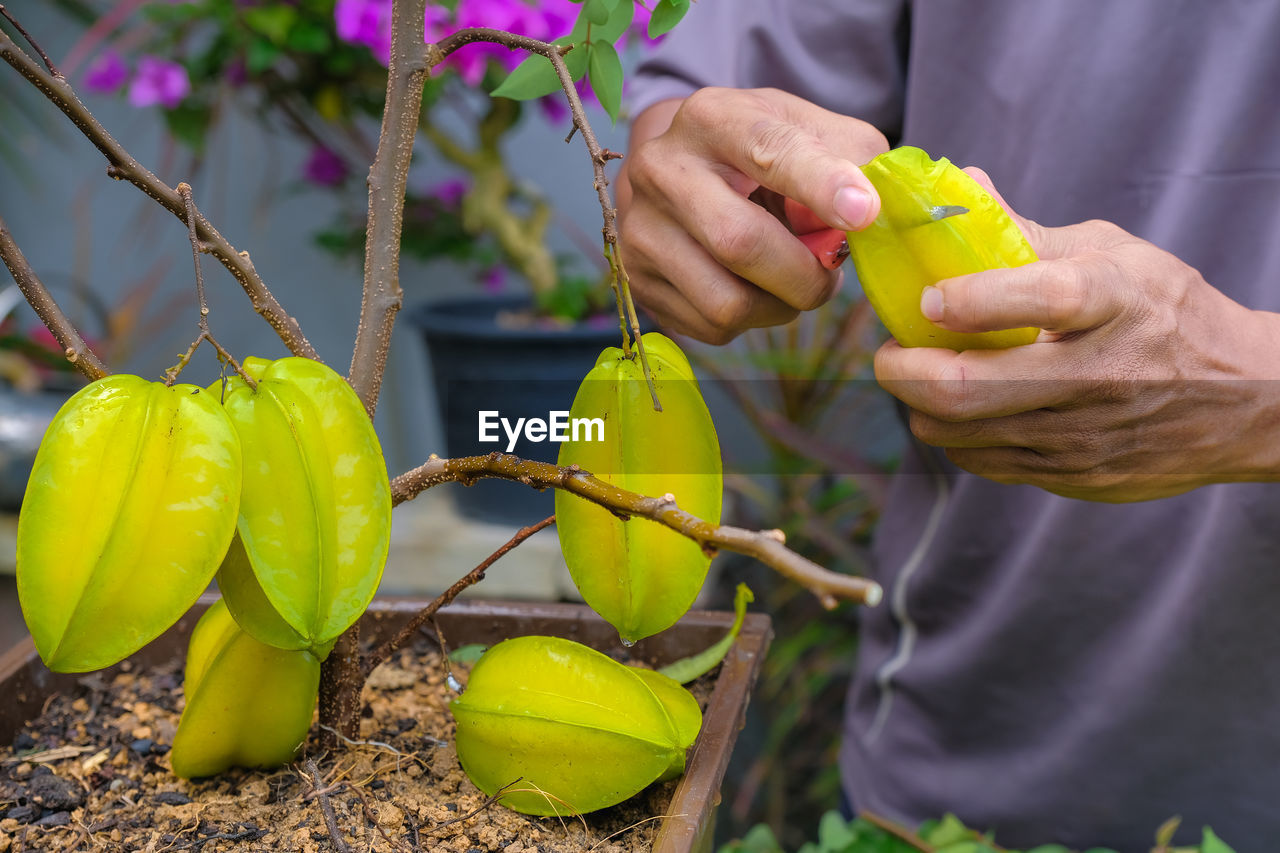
[
  {"x": 1146, "y": 382},
  {"x": 703, "y": 256}
]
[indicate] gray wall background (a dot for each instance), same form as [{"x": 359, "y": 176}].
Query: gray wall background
[{"x": 77, "y": 225}]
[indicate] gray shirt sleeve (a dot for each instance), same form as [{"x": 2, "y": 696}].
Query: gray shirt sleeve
[{"x": 848, "y": 56}]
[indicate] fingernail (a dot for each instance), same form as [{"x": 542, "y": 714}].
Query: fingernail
[
  {"x": 852, "y": 205},
  {"x": 931, "y": 304}
]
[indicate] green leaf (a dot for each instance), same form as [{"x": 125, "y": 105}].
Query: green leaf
[
  {"x": 189, "y": 123},
  {"x": 536, "y": 76},
  {"x": 260, "y": 56},
  {"x": 687, "y": 669},
  {"x": 1211, "y": 843},
  {"x": 576, "y": 61},
  {"x": 309, "y": 37},
  {"x": 533, "y": 78},
  {"x": 1049, "y": 848},
  {"x": 666, "y": 15},
  {"x": 467, "y": 654},
  {"x": 616, "y": 26},
  {"x": 759, "y": 839},
  {"x": 597, "y": 11},
  {"x": 604, "y": 70},
  {"x": 273, "y": 21},
  {"x": 948, "y": 831},
  {"x": 833, "y": 830}
]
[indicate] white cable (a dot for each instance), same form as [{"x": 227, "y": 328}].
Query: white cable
[{"x": 898, "y": 606}]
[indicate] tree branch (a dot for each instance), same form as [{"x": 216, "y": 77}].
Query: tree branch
[
  {"x": 436, "y": 53},
  {"x": 388, "y": 176},
  {"x": 384, "y": 652},
  {"x": 766, "y": 546},
  {"x": 48, "y": 63},
  {"x": 73, "y": 346},
  {"x": 122, "y": 166}
]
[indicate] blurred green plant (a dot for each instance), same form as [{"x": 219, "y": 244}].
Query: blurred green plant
[
  {"x": 871, "y": 834},
  {"x": 795, "y": 385}
]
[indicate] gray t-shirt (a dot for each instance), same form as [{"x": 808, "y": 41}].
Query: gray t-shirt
[{"x": 1056, "y": 669}]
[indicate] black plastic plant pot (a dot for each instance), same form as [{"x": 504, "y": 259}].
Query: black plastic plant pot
[{"x": 491, "y": 355}]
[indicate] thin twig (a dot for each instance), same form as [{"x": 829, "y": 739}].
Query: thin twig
[
  {"x": 488, "y": 801},
  {"x": 48, "y": 63},
  {"x": 123, "y": 166},
  {"x": 243, "y": 835},
  {"x": 767, "y": 546},
  {"x": 326, "y": 808},
  {"x": 384, "y": 652},
  {"x": 899, "y": 832},
  {"x": 378, "y": 743},
  {"x": 171, "y": 375},
  {"x": 189, "y": 205},
  {"x": 449, "y": 680},
  {"x": 373, "y": 819},
  {"x": 436, "y": 53},
  {"x": 73, "y": 346}
]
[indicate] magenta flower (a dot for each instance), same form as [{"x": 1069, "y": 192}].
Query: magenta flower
[
  {"x": 450, "y": 191},
  {"x": 366, "y": 22},
  {"x": 545, "y": 20},
  {"x": 324, "y": 167},
  {"x": 493, "y": 280},
  {"x": 107, "y": 73},
  {"x": 159, "y": 81}
]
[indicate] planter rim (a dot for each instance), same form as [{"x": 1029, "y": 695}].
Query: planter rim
[{"x": 687, "y": 827}]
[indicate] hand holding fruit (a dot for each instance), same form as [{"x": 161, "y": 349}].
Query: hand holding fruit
[
  {"x": 703, "y": 257},
  {"x": 1110, "y": 402}
]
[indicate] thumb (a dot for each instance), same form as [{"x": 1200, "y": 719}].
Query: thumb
[{"x": 1048, "y": 242}]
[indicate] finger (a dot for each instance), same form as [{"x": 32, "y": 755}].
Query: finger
[
  {"x": 720, "y": 307},
  {"x": 1039, "y": 429},
  {"x": 1011, "y": 466},
  {"x": 745, "y": 238},
  {"x": 976, "y": 384},
  {"x": 1050, "y": 243},
  {"x": 672, "y": 309},
  {"x": 791, "y": 146},
  {"x": 1063, "y": 295}
]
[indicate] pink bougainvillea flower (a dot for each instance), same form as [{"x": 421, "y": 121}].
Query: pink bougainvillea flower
[
  {"x": 159, "y": 81},
  {"x": 450, "y": 191},
  {"x": 366, "y": 22},
  {"x": 107, "y": 73},
  {"x": 324, "y": 167},
  {"x": 544, "y": 20},
  {"x": 494, "y": 280}
]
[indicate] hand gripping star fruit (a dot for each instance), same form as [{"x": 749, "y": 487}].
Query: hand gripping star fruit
[{"x": 911, "y": 246}]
